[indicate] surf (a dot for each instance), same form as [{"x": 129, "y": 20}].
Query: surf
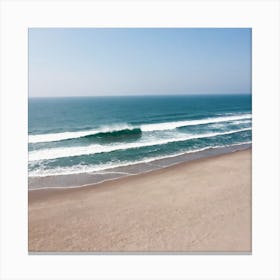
[
  {"x": 80, "y": 169},
  {"x": 122, "y": 130},
  {"x": 55, "y": 153}
]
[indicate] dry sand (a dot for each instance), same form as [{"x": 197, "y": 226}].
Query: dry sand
[{"x": 199, "y": 206}]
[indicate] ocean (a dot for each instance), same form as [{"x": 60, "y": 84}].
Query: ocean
[{"x": 75, "y": 141}]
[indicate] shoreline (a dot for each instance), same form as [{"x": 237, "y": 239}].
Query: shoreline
[
  {"x": 199, "y": 206},
  {"x": 91, "y": 178}
]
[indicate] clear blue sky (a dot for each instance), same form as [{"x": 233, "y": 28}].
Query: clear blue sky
[{"x": 127, "y": 61}]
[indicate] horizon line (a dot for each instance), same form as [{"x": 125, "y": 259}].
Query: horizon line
[{"x": 138, "y": 95}]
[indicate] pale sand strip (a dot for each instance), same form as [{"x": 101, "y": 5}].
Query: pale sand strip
[{"x": 204, "y": 205}]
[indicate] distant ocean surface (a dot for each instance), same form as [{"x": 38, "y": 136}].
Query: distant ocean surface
[{"x": 99, "y": 134}]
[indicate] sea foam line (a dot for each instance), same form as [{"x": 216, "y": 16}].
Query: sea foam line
[
  {"x": 53, "y": 137},
  {"x": 79, "y": 169},
  {"x": 173, "y": 125},
  {"x": 55, "y": 153}
]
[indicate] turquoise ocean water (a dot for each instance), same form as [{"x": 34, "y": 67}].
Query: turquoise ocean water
[{"x": 106, "y": 137}]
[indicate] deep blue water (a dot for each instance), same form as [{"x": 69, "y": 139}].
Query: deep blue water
[{"x": 85, "y": 134}]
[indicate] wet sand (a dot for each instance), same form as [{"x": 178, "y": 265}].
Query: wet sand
[{"x": 198, "y": 206}]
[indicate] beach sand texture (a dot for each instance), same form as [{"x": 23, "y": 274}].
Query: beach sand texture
[{"x": 199, "y": 206}]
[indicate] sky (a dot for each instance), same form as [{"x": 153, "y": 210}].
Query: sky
[{"x": 138, "y": 61}]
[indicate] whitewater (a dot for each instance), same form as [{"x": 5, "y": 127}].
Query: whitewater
[
  {"x": 106, "y": 137},
  {"x": 52, "y": 137}
]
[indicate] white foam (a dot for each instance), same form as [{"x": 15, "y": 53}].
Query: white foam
[
  {"x": 79, "y": 169},
  {"x": 237, "y": 122},
  {"x": 173, "y": 125},
  {"x": 52, "y": 137},
  {"x": 55, "y": 153}
]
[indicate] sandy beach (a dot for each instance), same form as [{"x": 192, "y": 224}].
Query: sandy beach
[{"x": 199, "y": 206}]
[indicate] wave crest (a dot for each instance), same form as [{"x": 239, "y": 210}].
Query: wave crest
[
  {"x": 54, "y": 137},
  {"x": 116, "y": 135},
  {"x": 118, "y": 129},
  {"x": 54, "y": 153}
]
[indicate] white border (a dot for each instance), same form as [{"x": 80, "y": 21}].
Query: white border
[{"x": 262, "y": 16}]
